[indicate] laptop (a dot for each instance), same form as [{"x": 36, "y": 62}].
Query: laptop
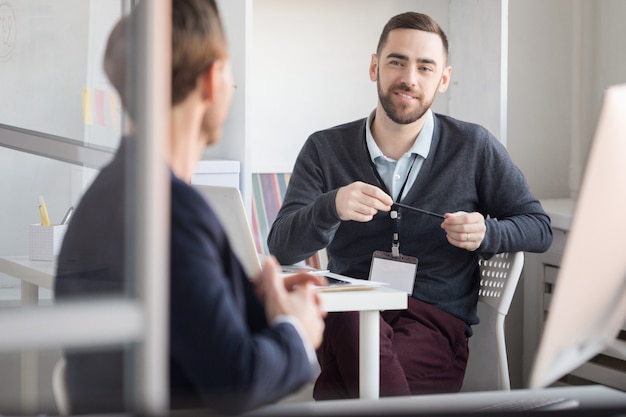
[{"x": 228, "y": 205}]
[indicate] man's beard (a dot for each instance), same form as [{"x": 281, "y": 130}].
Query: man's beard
[{"x": 394, "y": 112}]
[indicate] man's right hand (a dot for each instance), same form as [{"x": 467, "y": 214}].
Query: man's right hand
[
  {"x": 294, "y": 297},
  {"x": 360, "y": 202}
]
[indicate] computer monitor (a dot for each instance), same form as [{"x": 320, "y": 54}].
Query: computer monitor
[{"x": 588, "y": 306}]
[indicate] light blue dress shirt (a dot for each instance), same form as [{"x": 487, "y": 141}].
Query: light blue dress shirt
[{"x": 392, "y": 172}]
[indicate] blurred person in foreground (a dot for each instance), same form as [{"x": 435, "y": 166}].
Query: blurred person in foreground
[{"x": 234, "y": 343}]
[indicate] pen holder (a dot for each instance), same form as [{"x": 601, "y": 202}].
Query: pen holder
[{"x": 44, "y": 242}]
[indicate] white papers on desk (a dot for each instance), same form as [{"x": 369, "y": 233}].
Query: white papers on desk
[{"x": 348, "y": 284}]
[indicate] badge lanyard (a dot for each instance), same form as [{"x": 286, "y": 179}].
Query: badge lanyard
[
  {"x": 393, "y": 268},
  {"x": 395, "y": 246}
]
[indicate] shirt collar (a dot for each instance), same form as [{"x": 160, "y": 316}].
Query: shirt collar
[{"x": 421, "y": 146}]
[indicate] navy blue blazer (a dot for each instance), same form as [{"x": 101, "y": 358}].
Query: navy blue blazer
[{"x": 223, "y": 353}]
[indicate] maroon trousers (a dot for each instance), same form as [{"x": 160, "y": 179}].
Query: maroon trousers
[{"x": 423, "y": 350}]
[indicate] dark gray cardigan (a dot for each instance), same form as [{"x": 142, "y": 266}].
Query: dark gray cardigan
[{"x": 467, "y": 169}]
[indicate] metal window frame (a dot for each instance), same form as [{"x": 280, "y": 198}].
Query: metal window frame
[{"x": 54, "y": 147}]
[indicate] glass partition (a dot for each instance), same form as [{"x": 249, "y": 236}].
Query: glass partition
[
  {"x": 61, "y": 122},
  {"x": 52, "y": 78}
]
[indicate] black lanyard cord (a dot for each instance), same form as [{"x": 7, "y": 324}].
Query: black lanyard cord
[{"x": 395, "y": 246}]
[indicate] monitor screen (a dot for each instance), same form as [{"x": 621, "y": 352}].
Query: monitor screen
[{"x": 588, "y": 306}]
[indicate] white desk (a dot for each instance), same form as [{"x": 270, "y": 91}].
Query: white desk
[
  {"x": 33, "y": 274},
  {"x": 369, "y": 303}
]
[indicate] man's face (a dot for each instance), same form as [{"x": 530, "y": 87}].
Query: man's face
[{"x": 409, "y": 72}]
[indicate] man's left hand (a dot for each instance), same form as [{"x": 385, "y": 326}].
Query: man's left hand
[{"x": 464, "y": 230}]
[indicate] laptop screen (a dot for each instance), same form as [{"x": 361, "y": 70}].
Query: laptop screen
[{"x": 227, "y": 204}]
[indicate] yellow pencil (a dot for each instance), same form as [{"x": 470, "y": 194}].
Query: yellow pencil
[{"x": 45, "y": 220}]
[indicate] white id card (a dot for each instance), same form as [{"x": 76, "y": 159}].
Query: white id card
[{"x": 398, "y": 272}]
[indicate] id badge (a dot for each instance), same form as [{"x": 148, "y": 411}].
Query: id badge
[{"x": 398, "y": 272}]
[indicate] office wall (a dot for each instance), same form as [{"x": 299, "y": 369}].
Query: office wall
[
  {"x": 541, "y": 60},
  {"x": 309, "y": 69},
  {"x": 478, "y": 56},
  {"x": 562, "y": 55}
]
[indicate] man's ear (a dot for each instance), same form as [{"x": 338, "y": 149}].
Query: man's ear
[
  {"x": 210, "y": 79},
  {"x": 445, "y": 79},
  {"x": 374, "y": 67}
]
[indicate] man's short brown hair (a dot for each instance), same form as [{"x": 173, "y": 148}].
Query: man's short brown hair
[
  {"x": 197, "y": 41},
  {"x": 412, "y": 20}
]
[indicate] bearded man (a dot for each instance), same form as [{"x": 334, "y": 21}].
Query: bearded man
[{"x": 348, "y": 179}]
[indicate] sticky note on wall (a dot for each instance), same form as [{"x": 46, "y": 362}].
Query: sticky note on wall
[
  {"x": 99, "y": 106},
  {"x": 87, "y": 106},
  {"x": 113, "y": 109}
]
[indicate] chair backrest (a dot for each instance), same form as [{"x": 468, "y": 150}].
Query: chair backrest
[
  {"x": 59, "y": 387},
  {"x": 498, "y": 280}
]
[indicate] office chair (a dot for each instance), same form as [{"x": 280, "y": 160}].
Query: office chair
[
  {"x": 498, "y": 279},
  {"x": 59, "y": 387}
]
